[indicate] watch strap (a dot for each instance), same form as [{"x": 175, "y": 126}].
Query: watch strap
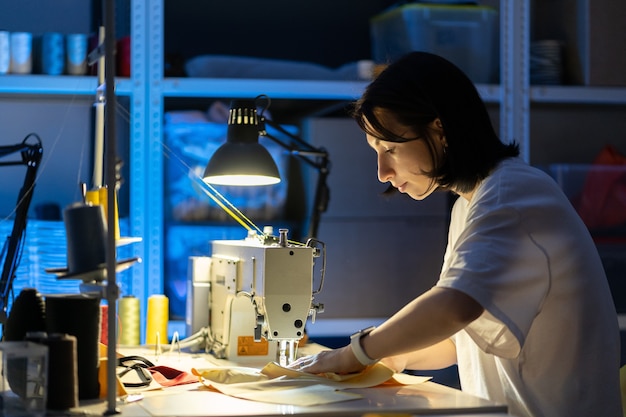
[{"x": 357, "y": 349}]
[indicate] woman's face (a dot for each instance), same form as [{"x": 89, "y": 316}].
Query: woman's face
[{"x": 403, "y": 164}]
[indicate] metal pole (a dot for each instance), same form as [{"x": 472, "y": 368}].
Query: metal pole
[{"x": 110, "y": 153}]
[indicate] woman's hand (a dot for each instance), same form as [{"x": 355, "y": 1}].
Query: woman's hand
[{"x": 340, "y": 361}]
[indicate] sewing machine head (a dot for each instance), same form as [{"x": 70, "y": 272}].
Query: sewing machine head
[{"x": 261, "y": 294}]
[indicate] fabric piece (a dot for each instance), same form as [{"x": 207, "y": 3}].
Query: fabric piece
[
  {"x": 103, "y": 380},
  {"x": 162, "y": 376},
  {"x": 170, "y": 377},
  {"x": 280, "y": 385},
  {"x": 229, "y": 66}
]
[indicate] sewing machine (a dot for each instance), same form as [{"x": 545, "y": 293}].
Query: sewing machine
[{"x": 260, "y": 295}]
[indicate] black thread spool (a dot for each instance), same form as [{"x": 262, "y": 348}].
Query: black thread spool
[
  {"x": 79, "y": 315},
  {"x": 86, "y": 232},
  {"x": 27, "y": 315}
]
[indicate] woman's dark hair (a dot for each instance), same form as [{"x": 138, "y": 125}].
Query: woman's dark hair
[{"x": 421, "y": 87}]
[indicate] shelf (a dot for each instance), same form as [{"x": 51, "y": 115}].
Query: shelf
[
  {"x": 284, "y": 89},
  {"x": 490, "y": 93},
  {"x": 56, "y": 85},
  {"x": 280, "y": 89},
  {"x": 276, "y": 89},
  {"x": 578, "y": 95}
]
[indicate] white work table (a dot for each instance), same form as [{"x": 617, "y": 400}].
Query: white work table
[
  {"x": 196, "y": 400},
  {"x": 426, "y": 399}
]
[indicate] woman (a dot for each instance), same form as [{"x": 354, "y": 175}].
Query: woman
[{"x": 522, "y": 304}]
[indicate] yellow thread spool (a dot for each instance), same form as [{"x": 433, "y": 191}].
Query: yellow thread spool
[
  {"x": 158, "y": 314},
  {"x": 100, "y": 197},
  {"x": 129, "y": 312}
]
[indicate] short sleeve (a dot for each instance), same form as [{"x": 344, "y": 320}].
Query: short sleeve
[{"x": 493, "y": 258}]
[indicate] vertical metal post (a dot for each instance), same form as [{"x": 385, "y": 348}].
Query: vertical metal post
[
  {"x": 146, "y": 178},
  {"x": 138, "y": 160},
  {"x": 154, "y": 147},
  {"x": 514, "y": 73},
  {"x": 110, "y": 161}
]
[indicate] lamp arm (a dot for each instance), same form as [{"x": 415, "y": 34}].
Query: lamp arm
[
  {"x": 321, "y": 163},
  {"x": 304, "y": 144},
  {"x": 321, "y": 199},
  {"x": 304, "y": 155},
  {"x": 31, "y": 157}
]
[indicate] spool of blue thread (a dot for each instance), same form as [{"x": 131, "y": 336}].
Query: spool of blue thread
[{"x": 52, "y": 53}]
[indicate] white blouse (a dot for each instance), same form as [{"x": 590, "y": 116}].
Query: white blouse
[{"x": 547, "y": 343}]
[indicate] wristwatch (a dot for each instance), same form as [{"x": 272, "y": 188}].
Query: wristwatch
[{"x": 357, "y": 349}]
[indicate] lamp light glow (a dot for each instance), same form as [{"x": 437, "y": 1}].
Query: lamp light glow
[
  {"x": 242, "y": 160},
  {"x": 244, "y": 180}
]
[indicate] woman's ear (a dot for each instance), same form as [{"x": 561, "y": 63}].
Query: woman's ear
[{"x": 442, "y": 136}]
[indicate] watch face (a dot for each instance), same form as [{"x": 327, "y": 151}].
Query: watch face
[{"x": 363, "y": 332}]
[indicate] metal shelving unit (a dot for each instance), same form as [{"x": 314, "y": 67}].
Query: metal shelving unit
[
  {"x": 513, "y": 96},
  {"x": 147, "y": 88}
]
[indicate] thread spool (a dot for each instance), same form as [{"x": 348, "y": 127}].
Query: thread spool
[
  {"x": 62, "y": 369},
  {"x": 158, "y": 313},
  {"x": 79, "y": 316},
  {"x": 21, "y": 52},
  {"x": 123, "y": 56},
  {"x": 28, "y": 314},
  {"x": 86, "y": 232},
  {"x": 104, "y": 324},
  {"x": 129, "y": 313},
  {"x": 52, "y": 53},
  {"x": 99, "y": 197},
  {"x": 76, "y": 47},
  {"x": 5, "y": 51}
]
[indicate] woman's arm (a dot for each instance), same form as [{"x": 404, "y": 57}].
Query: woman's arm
[
  {"x": 438, "y": 356},
  {"x": 427, "y": 321}
]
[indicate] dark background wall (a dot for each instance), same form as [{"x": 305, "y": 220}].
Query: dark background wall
[{"x": 327, "y": 32}]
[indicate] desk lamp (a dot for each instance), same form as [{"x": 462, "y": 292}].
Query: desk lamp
[{"x": 242, "y": 160}]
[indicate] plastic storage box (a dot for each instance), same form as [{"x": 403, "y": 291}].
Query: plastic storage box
[
  {"x": 598, "y": 193},
  {"x": 467, "y": 35}
]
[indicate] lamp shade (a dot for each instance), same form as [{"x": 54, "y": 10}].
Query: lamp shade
[
  {"x": 242, "y": 160},
  {"x": 241, "y": 164}
]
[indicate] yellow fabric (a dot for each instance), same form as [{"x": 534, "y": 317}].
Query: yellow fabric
[
  {"x": 371, "y": 376},
  {"x": 280, "y": 385}
]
